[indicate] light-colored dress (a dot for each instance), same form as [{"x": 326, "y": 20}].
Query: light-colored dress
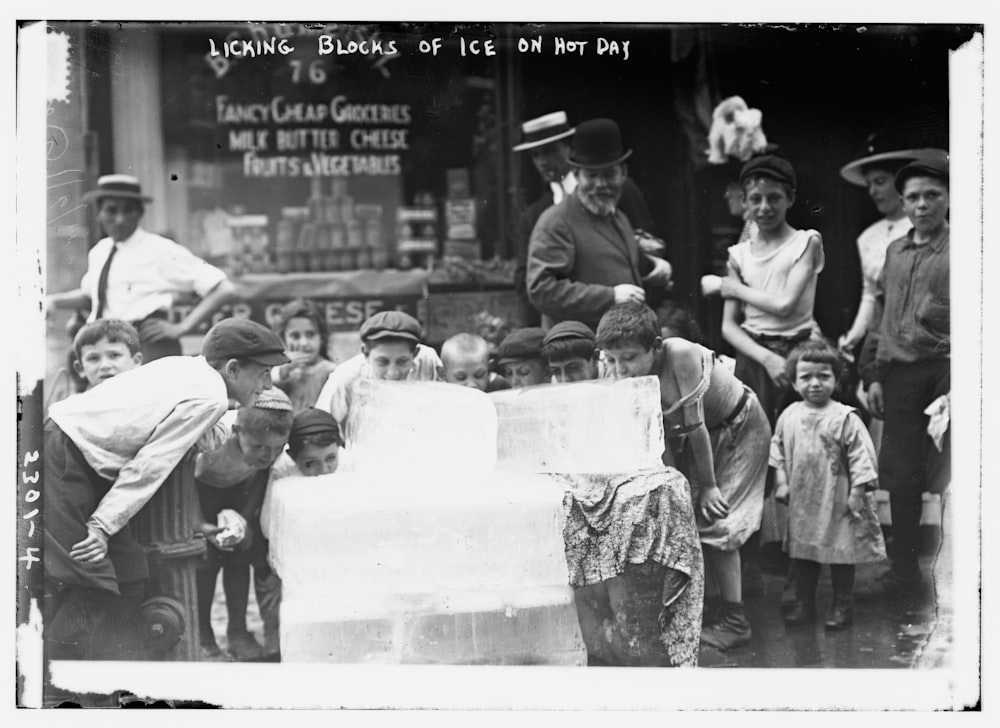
[
  {"x": 872, "y": 244},
  {"x": 740, "y": 435},
  {"x": 824, "y": 452},
  {"x": 304, "y": 390}
]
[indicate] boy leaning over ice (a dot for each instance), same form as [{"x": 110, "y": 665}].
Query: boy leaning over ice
[
  {"x": 107, "y": 451},
  {"x": 390, "y": 349}
]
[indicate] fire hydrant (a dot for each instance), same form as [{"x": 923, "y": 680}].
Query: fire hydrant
[{"x": 166, "y": 528}]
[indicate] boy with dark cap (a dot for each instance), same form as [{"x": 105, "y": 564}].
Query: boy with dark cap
[
  {"x": 107, "y": 451},
  {"x": 571, "y": 351},
  {"x": 520, "y": 359},
  {"x": 911, "y": 353},
  {"x": 390, "y": 349}
]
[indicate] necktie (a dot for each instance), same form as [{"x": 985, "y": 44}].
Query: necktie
[{"x": 102, "y": 283}]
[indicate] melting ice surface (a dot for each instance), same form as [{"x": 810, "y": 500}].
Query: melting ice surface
[
  {"x": 598, "y": 426},
  {"x": 427, "y": 548}
]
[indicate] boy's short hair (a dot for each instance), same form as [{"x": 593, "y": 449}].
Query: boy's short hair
[
  {"x": 466, "y": 344},
  {"x": 569, "y": 340},
  {"x": 115, "y": 331},
  {"x": 301, "y": 308},
  {"x": 313, "y": 427},
  {"x": 680, "y": 320},
  {"x": 628, "y": 323},
  {"x": 814, "y": 352}
]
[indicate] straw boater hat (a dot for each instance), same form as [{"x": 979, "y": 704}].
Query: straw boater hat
[
  {"x": 892, "y": 150},
  {"x": 544, "y": 130},
  {"x": 117, "y": 185}
]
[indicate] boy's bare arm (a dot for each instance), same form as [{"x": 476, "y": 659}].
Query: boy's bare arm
[
  {"x": 783, "y": 303},
  {"x": 741, "y": 341}
]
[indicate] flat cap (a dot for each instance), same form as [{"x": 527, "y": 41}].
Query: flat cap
[
  {"x": 239, "y": 338},
  {"x": 771, "y": 166},
  {"x": 521, "y": 344},
  {"x": 395, "y": 324},
  {"x": 314, "y": 421},
  {"x": 937, "y": 168},
  {"x": 568, "y": 330}
]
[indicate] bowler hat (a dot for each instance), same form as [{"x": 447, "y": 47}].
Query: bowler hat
[
  {"x": 771, "y": 166},
  {"x": 598, "y": 143},
  {"x": 568, "y": 330},
  {"x": 238, "y": 338},
  {"x": 117, "y": 185},
  {"x": 544, "y": 130},
  {"x": 521, "y": 344},
  {"x": 937, "y": 168},
  {"x": 395, "y": 324}
]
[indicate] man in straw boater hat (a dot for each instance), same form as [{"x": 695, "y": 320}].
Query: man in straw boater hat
[
  {"x": 133, "y": 274},
  {"x": 584, "y": 255},
  {"x": 547, "y": 141}
]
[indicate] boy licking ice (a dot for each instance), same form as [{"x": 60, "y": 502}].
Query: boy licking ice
[
  {"x": 107, "y": 451},
  {"x": 520, "y": 359},
  {"x": 466, "y": 359},
  {"x": 231, "y": 481},
  {"x": 390, "y": 349},
  {"x": 571, "y": 352}
]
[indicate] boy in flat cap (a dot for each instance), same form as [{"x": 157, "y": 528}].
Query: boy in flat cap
[
  {"x": 912, "y": 362},
  {"x": 570, "y": 349},
  {"x": 390, "y": 349},
  {"x": 520, "y": 359},
  {"x": 107, "y": 451}
]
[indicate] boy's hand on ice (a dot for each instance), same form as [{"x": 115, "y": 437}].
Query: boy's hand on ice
[
  {"x": 92, "y": 549},
  {"x": 781, "y": 493},
  {"x": 712, "y": 505}
]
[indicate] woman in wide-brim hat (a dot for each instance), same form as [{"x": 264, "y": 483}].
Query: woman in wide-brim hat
[{"x": 876, "y": 171}]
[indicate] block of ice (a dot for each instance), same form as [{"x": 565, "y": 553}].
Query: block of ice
[
  {"x": 421, "y": 430},
  {"x": 599, "y": 426},
  {"x": 455, "y": 570}
]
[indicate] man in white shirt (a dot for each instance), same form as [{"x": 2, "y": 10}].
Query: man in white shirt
[{"x": 133, "y": 274}]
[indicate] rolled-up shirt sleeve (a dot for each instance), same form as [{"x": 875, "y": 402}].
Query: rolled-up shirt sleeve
[{"x": 142, "y": 476}]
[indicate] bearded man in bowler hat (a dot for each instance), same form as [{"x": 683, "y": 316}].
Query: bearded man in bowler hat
[
  {"x": 583, "y": 255},
  {"x": 133, "y": 274},
  {"x": 547, "y": 140}
]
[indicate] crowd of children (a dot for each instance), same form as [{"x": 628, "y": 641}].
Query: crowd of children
[{"x": 766, "y": 423}]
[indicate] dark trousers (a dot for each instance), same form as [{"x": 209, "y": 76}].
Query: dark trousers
[
  {"x": 235, "y": 565},
  {"x": 152, "y": 350},
  {"x": 909, "y": 462},
  {"x": 806, "y": 574},
  {"x": 93, "y": 624}
]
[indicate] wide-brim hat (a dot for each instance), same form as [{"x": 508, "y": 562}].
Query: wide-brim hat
[
  {"x": 852, "y": 171},
  {"x": 597, "y": 144},
  {"x": 117, "y": 185},
  {"x": 544, "y": 130}
]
